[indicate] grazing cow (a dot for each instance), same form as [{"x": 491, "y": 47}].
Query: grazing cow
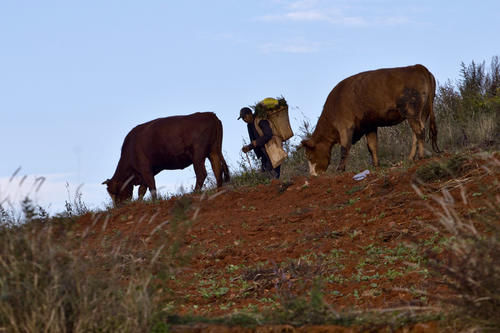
[
  {"x": 360, "y": 104},
  {"x": 167, "y": 144}
]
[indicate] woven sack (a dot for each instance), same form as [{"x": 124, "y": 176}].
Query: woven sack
[
  {"x": 275, "y": 151},
  {"x": 280, "y": 123},
  {"x": 276, "y": 112}
]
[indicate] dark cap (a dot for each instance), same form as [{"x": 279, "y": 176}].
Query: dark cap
[{"x": 244, "y": 112}]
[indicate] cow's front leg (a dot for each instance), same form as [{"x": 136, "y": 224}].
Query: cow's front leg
[
  {"x": 149, "y": 180},
  {"x": 345, "y": 147},
  {"x": 371, "y": 142},
  {"x": 142, "y": 191},
  {"x": 344, "y": 152}
]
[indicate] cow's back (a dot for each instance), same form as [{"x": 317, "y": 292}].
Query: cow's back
[
  {"x": 171, "y": 142},
  {"x": 373, "y": 96}
]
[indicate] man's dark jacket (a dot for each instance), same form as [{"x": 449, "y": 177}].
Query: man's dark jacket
[{"x": 260, "y": 141}]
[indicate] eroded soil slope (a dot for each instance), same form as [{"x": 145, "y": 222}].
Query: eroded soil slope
[{"x": 253, "y": 247}]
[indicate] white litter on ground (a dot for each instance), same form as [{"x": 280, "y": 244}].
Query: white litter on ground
[{"x": 362, "y": 175}]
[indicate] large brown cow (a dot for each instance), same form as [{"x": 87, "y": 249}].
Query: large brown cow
[
  {"x": 360, "y": 104},
  {"x": 167, "y": 144}
]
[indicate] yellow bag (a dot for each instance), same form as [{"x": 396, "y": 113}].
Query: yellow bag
[{"x": 269, "y": 103}]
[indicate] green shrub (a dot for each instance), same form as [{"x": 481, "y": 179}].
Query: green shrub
[{"x": 468, "y": 113}]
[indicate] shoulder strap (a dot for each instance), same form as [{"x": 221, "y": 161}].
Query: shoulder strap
[{"x": 257, "y": 127}]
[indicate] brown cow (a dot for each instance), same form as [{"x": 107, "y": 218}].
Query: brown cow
[
  {"x": 167, "y": 144},
  {"x": 359, "y": 104}
]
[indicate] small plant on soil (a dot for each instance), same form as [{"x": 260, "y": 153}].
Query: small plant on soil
[{"x": 434, "y": 170}]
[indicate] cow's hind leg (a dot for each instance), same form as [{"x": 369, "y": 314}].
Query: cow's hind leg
[
  {"x": 216, "y": 163},
  {"x": 371, "y": 142},
  {"x": 412, "y": 107},
  {"x": 201, "y": 173},
  {"x": 413, "y": 150},
  {"x": 418, "y": 129}
]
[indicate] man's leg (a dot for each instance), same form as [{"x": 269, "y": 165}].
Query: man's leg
[
  {"x": 266, "y": 164},
  {"x": 262, "y": 164},
  {"x": 267, "y": 167},
  {"x": 277, "y": 171}
]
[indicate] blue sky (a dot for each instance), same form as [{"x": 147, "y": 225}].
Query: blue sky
[{"x": 76, "y": 76}]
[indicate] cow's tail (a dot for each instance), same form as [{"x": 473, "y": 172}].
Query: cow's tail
[
  {"x": 225, "y": 170},
  {"x": 433, "y": 132}
]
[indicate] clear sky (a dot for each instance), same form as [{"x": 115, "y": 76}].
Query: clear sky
[{"x": 76, "y": 76}]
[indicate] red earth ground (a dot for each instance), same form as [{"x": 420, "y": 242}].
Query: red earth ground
[{"x": 254, "y": 246}]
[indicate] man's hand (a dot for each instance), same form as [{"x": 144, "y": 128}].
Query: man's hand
[{"x": 246, "y": 148}]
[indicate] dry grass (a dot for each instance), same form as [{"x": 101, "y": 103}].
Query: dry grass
[
  {"x": 53, "y": 286},
  {"x": 470, "y": 265},
  {"x": 480, "y": 130},
  {"x": 53, "y": 280}
]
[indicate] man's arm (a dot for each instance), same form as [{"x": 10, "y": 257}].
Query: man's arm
[
  {"x": 250, "y": 132},
  {"x": 251, "y": 146}
]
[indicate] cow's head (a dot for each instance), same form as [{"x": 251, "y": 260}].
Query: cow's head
[
  {"x": 318, "y": 156},
  {"x": 119, "y": 191}
]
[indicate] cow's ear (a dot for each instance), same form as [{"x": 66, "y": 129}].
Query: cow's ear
[
  {"x": 309, "y": 143},
  {"x": 106, "y": 182}
]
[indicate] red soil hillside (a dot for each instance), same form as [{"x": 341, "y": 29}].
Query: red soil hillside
[{"x": 252, "y": 245}]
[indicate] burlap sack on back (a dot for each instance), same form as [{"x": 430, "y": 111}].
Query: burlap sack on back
[
  {"x": 274, "y": 147},
  {"x": 275, "y": 151}
]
